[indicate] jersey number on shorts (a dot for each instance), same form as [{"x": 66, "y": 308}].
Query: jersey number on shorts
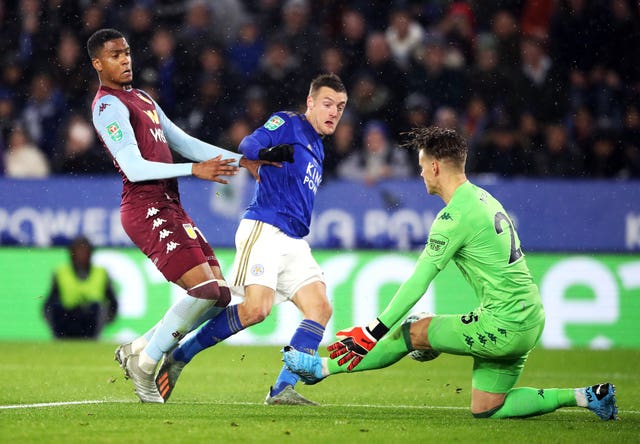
[{"x": 516, "y": 253}]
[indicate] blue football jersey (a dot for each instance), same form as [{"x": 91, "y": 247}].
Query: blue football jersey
[{"x": 284, "y": 196}]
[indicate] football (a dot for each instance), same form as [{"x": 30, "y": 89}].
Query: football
[{"x": 421, "y": 355}]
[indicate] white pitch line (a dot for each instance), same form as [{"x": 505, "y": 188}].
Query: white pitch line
[
  {"x": 50, "y": 404},
  {"x": 373, "y": 406}
]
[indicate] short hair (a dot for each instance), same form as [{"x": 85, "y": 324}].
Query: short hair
[
  {"x": 99, "y": 38},
  {"x": 441, "y": 143},
  {"x": 80, "y": 242},
  {"x": 329, "y": 80}
]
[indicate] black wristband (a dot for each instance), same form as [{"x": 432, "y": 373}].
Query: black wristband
[{"x": 379, "y": 330}]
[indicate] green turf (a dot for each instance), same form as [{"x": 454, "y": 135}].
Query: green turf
[{"x": 219, "y": 399}]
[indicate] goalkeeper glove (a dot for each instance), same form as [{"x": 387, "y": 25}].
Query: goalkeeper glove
[
  {"x": 278, "y": 153},
  {"x": 356, "y": 342}
]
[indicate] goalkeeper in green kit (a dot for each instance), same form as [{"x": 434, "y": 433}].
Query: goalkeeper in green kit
[{"x": 475, "y": 231}]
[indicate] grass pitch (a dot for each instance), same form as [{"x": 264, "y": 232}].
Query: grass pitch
[{"x": 68, "y": 392}]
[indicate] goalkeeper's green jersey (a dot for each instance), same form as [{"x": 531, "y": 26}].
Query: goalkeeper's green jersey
[{"x": 475, "y": 231}]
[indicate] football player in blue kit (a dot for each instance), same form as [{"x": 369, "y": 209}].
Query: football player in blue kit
[{"x": 273, "y": 262}]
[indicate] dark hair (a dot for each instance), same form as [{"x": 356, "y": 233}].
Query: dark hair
[
  {"x": 330, "y": 81},
  {"x": 79, "y": 242},
  {"x": 99, "y": 38},
  {"x": 440, "y": 143}
]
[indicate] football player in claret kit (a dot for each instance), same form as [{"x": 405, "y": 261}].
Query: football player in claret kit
[
  {"x": 474, "y": 231},
  {"x": 273, "y": 262},
  {"x": 139, "y": 136}
]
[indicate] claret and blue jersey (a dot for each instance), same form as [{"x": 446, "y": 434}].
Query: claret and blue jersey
[{"x": 284, "y": 197}]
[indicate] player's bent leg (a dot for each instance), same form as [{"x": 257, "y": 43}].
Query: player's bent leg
[
  {"x": 523, "y": 402},
  {"x": 256, "y": 305},
  {"x": 177, "y": 322}
]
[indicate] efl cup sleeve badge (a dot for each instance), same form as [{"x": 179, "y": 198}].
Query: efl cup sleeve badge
[
  {"x": 114, "y": 131},
  {"x": 274, "y": 123},
  {"x": 191, "y": 232}
]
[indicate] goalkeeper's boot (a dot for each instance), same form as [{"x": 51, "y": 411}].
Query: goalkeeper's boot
[
  {"x": 308, "y": 367},
  {"x": 601, "y": 399},
  {"x": 143, "y": 382},
  {"x": 288, "y": 396},
  {"x": 122, "y": 354},
  {"x": 168, "y": 375}
]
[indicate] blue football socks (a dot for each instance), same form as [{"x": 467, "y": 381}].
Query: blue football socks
[
  {"x": 306, "y": 339},
  {"x": 225, "y": 324}
]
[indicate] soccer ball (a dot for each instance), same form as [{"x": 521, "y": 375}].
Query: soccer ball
[{"x": 421, "y": 355}]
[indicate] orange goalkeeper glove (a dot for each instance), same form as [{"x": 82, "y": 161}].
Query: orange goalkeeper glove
[{"x": 355, "y": 342}]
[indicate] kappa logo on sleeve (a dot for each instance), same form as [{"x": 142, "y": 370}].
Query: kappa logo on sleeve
[
  {"x": 114, "y": 131},
  {"x": 437, "y": 244},
  {"x": 274, "y": 123}
]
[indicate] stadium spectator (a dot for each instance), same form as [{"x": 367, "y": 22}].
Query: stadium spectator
[
  {"x": 279, "y": 74},
  {"x": 557, "y": 157},
  {"x": 332, "y": 60},
  {"x": 506, "y": 29},
  {"x": 22, "y": 158},
  {"x": 352, "y": 38},
  {"x": 631, "y": 141},
  {"x": 446, "y": 117},
  {"x": 458, "y": 28},
  {"x": 473, "y": 123},
  {"x": 379, "y": 158},
  {"x": 379, "y": 64},
  {"x": 163, "y": 69},
  {"x": 140, "y": 28},
  {"x": 575, "y": 30},
  {"x": 273, "y": 262},
  {"x": 339, "y": 147},
  {"x": 431, "y": 76},
  {"x": 623, "y": 42},
  {"x": 199, "y": 28},
  {"x": 140, "y": 137},
  {"x": 404, "y": 36},
  {"x": 246, "y": 50},
  {"x": 70, "y": 70},
  {"x": 539, "y": 86},
  {"x": 80, "y": 154},
  {"x": 255, "y": 109},
  {"x": 501, "y": 151},
  {"x": 485, "y": 79},
  {"x": 208, "y": 114},
  {"x": 302, "y": 35},
  {"x": 7, "y": 115},
  {"x": 604, "y": 159},
  {"x": 582, "y": 129},
  {"x": 213, "y": 63},
  {"x": 474, "y": 231},
  {"x": 32, "y": 38},
  {"x": 370, "y": 99},
  {"x": 13, "y": 79},
  {"x": 44, "y": 112},
  {"x": 81, "y": 300}
]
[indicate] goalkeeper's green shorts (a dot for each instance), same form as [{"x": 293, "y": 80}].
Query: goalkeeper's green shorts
[{"x": 499, "y": 352}]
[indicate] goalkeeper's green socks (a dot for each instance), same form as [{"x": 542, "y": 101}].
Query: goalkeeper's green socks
[
  {"x": 389, "y": 350},
  {"x": 526, "y": 401}
]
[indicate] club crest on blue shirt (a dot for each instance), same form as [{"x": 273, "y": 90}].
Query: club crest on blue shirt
[
  {"x": 274, "y": 123},
  {"x": 190, "y": 231},
  {"x": 257, "y": 270}
]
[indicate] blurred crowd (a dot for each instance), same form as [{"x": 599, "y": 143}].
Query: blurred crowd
[{"x": 540, "y": 88}]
